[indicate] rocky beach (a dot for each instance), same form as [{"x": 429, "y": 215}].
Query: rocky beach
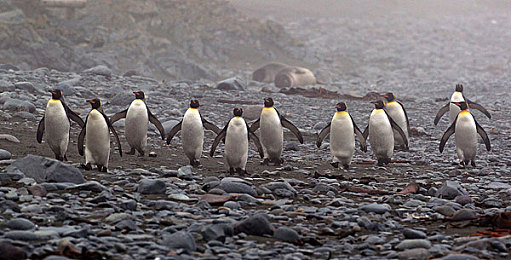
[{"x": 421, "y": 206}]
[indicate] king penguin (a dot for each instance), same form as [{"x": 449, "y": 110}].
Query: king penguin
[
  {"x": 272, "y": 135},
  {"x": 342, "y": 140},
  {"x": 56, "y": 123},
  {"x": 192, "y": 132},
  {"x": 137, "y": 116},
  {"x": 236, "y": 135},
  {"x": 465, "y": 129},
  {"x": 397, "y": 112},
  {"x": 381, "y": 136},
  {"x": 96, "y": 134},
  {"x": 458, "y": 96}
]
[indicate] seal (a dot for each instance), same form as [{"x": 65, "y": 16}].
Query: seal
[
  {"x": 294, "y": 76},
  {"x": 268, "y": 72}
]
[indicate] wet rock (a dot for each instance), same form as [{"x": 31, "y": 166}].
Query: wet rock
[
  {"x": 217, "y": 232},
  {"x": 415, "y": 253},
  {"x": 413, "y": 234},
  {"x": 413, "y": 243},
  {"x": 185, "y": 172},
  {"x": 5, "y": 155},
  {"x": 464, "y": 214},
  {"x": 376, "y": 208},
  {"x": 99, "y": 70},
  {"x": 287, "y": 235},
  {"x": 43, "y": 169},
  {"x": 257, "y": 225},
  {"x": 231, "y": 84},
  {"x": 128, "y": 204},
  {"x": 11, "y": 252},
  {"x": 236, "y": 187},
  {"x": 179, "y": 240},
  {"x": 9, "y": 138},
  {"x": 151, "y": 186},
  {"x": 450, "y": 189},
  {"x": 20, "y": 224}
]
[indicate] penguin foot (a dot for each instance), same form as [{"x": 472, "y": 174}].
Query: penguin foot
[
  {"x": 59, "y": 157},
  {"x": 65, "y": 158},
  {"x": 346, "y": 166},
  {"x": 194, "y": 163},
  {"x": 380, "y": 162},
  {"x": 132, "y": 151},
  {"x": 102, "y": 168},
  {"x": 473, "y": 163},
  {"x": 265, "y": 161},
  {"x": 87, "y": 166},
  {"x": 335, "y": 164},
  {"x": 141, "y": 153},
  {"x": 240, "y": 171},
  {"x": 231, "y": 171},
  {"x": 279, "y": 162}
]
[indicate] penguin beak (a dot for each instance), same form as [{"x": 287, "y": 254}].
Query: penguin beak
[{"x": 90, "y": 101}]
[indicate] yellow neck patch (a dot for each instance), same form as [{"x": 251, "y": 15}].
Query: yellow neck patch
[{"x": 464, "y": 112}]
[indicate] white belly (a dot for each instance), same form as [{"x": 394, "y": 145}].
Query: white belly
[
  {"x": 236, "y": 143},
  {"x": 466, "y": 138},
  {"x": 454, "y": 109},
  {"x": 56, "y": 125},
  {"x": 135, "y": 127},
  {"x": 272, "y": 136},
  {"x": 192, "y": 134},
  {"x": 381, "y": 136},
  {"x": 342, "y": 139},
  {"x": 97, "y": 140},
  {"x": 398, "y": 115}
]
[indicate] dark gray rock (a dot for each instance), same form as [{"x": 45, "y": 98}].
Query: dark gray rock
[
  {"x": 6, "y": 86},
  {"x": 99, "y": 70},
  {"x": 11, "y": 252},
  {"x": 68, "y": 86},
  {"x": 10, "y": 66},
  {"x": 179, "y": 240},
  {"x": 151, "y": 186},
  {"x": 21, "y": 235},
  {"x": 231, "y": 84},
  {"x": 376, "y": 208},
  {"x": 20, "y": 224},
  {"x": 236, "y": 187},
  {"x": 168, "y": 125},
  {"x": 5, "y": 155},
  {"x": 450, "y": 189},
  {"x": 463, "y": 199},
  {"x": 280, "y": 185},
  {"x": 44, "y": 169},
  {"x": 128, "y": 204},
  {"x": 413, "y": 243},
  {"x": 257, "y": 225},
  {"x": 185, "y": 172},
  {"x": 459, "y": 257},
  {"x": 287, "y": 235},
  {"x": 217, "y": 232},
  {"x": 18, "y": 105},
  {"x": 122, "y": 99},
  {"x": 464, "y": 214},
  {"x": 413, "y": 234},
  {"x": 126, "y": 224},
  {"x": 415, "y": 253},
  {"x": 27, "y": 86}
]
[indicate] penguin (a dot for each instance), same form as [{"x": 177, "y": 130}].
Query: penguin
[
  {"x": 381, "y": 136},
  {"x": 96, "y": 135},
  {"x": 192, "y": 132},
  {"x": 137, "y": 116},
  {"x": 56, "y": 122},
  {"x": 272, "y": 135},
  {"x": 397, "y": 112},
  {"x": 236, "y": 135},
  {"x": 465, "y": 129},
  {"x": 458, "y": 96},
  {"x": 342, "y": 141}
]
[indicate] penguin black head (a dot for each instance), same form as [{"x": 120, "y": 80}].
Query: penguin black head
[
  {"x": 379, "y": 104},
  {"x": 462, "y": 105},
  {"x": 459, "y": 88},
  {"x": 390, "y": 97},
  {"x": 194, "y": 103},
  {"x": 341, "y": 106},
  {"x": 139, "y": 94},
  {"x": 56, "y": 94},
  {"x": 95, "y": 103},
  {"x": 268, "y": 102},
  {"x": 238, "y": 111}
]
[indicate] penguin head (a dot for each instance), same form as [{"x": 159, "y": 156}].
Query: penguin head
[
  {"x": 378, "y": 104},
  {"x": 462, "y": 105},
  {"x": 139, "y": 94},
  {"x": 95, "y": 103},
  {"x": 341, "y": 106},
  {"x": 194, "y": 103},
  {"x": 56, "y": 94},
  {"x": 459, "y": 88},
  {"x": 238, "y": 111},
  {"x": 268, "y": 102},
  {"x": 390, "y": 97}
]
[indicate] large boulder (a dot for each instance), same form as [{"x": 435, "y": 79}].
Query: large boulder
[
  {"x": 257, "y": 225},
  {"x": 43, "y": 169}
]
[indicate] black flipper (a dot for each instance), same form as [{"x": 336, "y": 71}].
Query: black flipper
[
  {"x": 483, "y": 135},
  {"x": 72, "y": 115},
  {"x": 156, "y": 123},
  {"x": 254, "y": 126},
  {"x": 365, "y": 134},
  {"x": 396, "y": 126},
  {"x": 174, "y": 131},
  {"x": 321, "y": 136},
  {"x": 447, "y": 134},
  {"x": 256, "y": 141},
  {"x": 217, "y": 140},
  {"x": 475, "y": 105},
  {"x": 287, "y": 124},
  {"x": 441, "y": 112},
  {"x": 81, "y": 138},
  {"x": 40, "y": 130},
  {"x": 210, "y": 126},
  {"x": 361, "y": 139},
  {"x": 113, "y": 130},
  {"x": 118, "y": 116},
  {"x": 406, "y": 116}
]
